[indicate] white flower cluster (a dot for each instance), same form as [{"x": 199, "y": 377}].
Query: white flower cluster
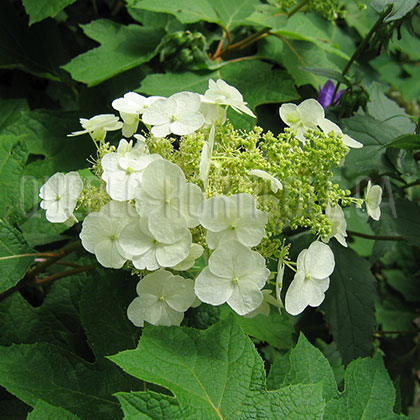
[{"x": 152, "y": 212}]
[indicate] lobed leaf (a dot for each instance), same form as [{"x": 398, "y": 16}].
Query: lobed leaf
[
  {"x": 368, "y": 393},
  {"x": 304, "y": 364},
  {"x": 122, "y": 48},
  {"x": 41, "y": 9},
  {"x": 214, "y": 374}
]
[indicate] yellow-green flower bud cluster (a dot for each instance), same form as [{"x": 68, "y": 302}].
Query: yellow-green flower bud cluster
[{"x": 304, "y": 169}]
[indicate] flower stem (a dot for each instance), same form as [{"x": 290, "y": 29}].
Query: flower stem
[
  {"x": 68, "y": 249},
  {"x": 362, "y": 46},
  {"x": 375, "y": 237},
  {"x": 300, "y": 6},
  {"x": 32, "y": 274},
  {"x": 43, "y": 280}
]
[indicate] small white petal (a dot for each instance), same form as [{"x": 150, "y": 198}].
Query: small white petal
[{"x": 319, "y": 260}]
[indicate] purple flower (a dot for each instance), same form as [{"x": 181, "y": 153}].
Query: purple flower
[{"x": 326, "y": 94}]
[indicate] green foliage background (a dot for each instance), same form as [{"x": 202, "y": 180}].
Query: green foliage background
[{"x": 67, "y": 349}]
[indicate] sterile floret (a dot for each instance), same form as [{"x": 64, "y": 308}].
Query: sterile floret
[
  {"x": 101, "y": 232},
  {"x": 235, "y": 275},
  {"x": 59, "y": 196},
  {"x": 373, "y": 198},
  {"x": 179, "y": 114},
  {"x": 162, "y": 299},
  {"x": 98, "y": 125},
  {"x": 219, "y": 92},
  {"x": 233, "y": 217},
  {"x": 312, "y": 279}
]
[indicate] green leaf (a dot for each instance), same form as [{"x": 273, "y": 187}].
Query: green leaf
[
  {"x": 214, "y": 374},
  {"x": 56, "y": 321},
  {"x": 19, "y": 45},
  {"x": 59, "y": 377},
  {"x": 234, "y": 13},
  {"x": 276, "y": 329},
  {"x": 393, "y": 314},
  {"x": 37, "y": 230},
  {"x": 11, "y": 244},
  {"x": 103, "y": 312},
  {"x": 311, "y": 28},
  {"x": 388, "y": 111},
  {"x": 368, "y": 394},
  {"x": 41, "y": 9},
  {"x": 374, "y": 135},
  {"x": 399, "y": 9},
  {"x": 45, "y": 411},
  {"x": 268, "y": 15},
  {"x": 305, "y": 364},
  {"x": 295, "y": 55},
  {"x": 11, "y": 110},
  {"x": 330, "y": 74},
  {"x": 407, "y": 221},
  {"x": 361, "y": 20},
  {"x": 256, "y": 80},
  {"x": 405, "y": 283},
  {"x": 407, "y": 142},
  {"x": 186, "y": 11},
  {"x": 13, "y": 156},
  {"x": 45, "y": 134},
  {"x": 122, "y": 48},
  {"x": 349, "y": 304}
]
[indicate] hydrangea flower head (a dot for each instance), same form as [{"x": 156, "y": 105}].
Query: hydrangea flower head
[
  {"x": 373, "y": 198},
  {"x": 312, "y": 279},
  {"x": 235, "y": 275},
  {"x": 98, "y": 125},
  {"x": 221, "y": 93},
  {"x": 101, "y": 233},
  {"x": 162, "y": 299},
  {"x": 179, "y": 114},
  {"x": 59, "y": 196},
  {"x": 233, "y": 217}
]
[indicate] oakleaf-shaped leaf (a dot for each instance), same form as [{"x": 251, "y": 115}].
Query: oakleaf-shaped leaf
[
  {"x": 122, "y": 48},
  {"x": 214, "y": 374},
  {"x": 228, "y": 14},
  {"x": 368, "y": 393},
  {"x": 305, "y": 364}
]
